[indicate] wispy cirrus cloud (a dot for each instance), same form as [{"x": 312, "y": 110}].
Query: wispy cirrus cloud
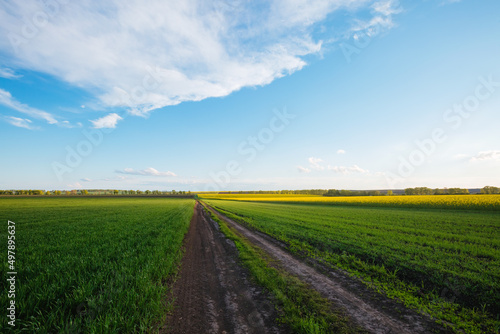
[
  {"x": 144, "y": 57},
  {"x": 106, "y": 179},
  {"x": 148, "y": 172},
  {"x": 303, "y": 169},
  {"x": 8, "y": 73},
  {"x": 486, "y": 155},
  {"x": 387, "y": 8},
  {"x": 348, "y": 170},
  {"x": 20, "y": 122},
  {"x": 8, "y": 100},
  {"x": 69, "y": 125},
  {"x": 315, "y": 163},
  {"x": 381, "y": 20}
]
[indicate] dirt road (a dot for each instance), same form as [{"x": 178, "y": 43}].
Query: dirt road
[
  {"x": 373, "y": 312},
  {"x": 213, "y": 293}
]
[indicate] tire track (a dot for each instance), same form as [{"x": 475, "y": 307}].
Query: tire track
[{"x": 213, "y": 293}]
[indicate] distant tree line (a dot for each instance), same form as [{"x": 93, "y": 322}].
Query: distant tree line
[
  {"x": 490, "y": 190},
  {"x": 449, "y": 191},
  {"x": 335, "y": 192},
  {"x": 437, "y": 191},
  {"x": 22, "y": 192},
  {"x": 320, "y": 192}
]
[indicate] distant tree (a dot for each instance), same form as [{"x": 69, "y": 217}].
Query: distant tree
[
  {"x": 47, "y": 193},
  {"x": 138, "y": 192},
  {"x": 84, "y": 192},
  {"x": 57, "y": 192},
  {"x": 458, "y": 191},
  {"x": 438, "y": 191},
  {"x": 332, "y": 192},
  {"x": 490, "y": 190},
  {"x": 389, "y": 193},
  {"x": 345, "y": 193},
  {"x": 147, "y": 192},
  {"x": 116, "y": 192},
  {"x": 419, "y": 191}
]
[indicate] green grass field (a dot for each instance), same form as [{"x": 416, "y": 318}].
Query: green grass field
[
  {"x": 97, "y": 265},
  {"x": 442, "y": 262}
]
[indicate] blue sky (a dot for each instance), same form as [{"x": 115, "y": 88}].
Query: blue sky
[{"x": 249, "y": 94}]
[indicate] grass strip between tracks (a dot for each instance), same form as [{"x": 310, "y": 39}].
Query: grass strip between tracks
[{"x": 300, "y": 308}]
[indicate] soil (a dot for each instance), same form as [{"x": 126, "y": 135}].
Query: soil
[
  {"x": 213, "y": 293},
  {"x": 370, "y": 310}
]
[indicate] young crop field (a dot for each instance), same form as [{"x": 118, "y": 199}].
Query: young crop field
[
  {"x": 444, "y": 262},
  {"x": 92, "y": 265},
  {"x": 459, "y": 202}
]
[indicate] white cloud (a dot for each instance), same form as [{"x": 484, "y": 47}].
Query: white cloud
[
  {"x": 486, "y": 155},
  {"x": 347, "y": 170},
  {"x": 387, "y": 8},
  {"x": 108, "y": 121},
  {"x": 315, "y": 163},
  {"x": 8, "y": 73},
  {"x": 7, "y": 100},
  {"x": 149, "y": 56},
  {"x": 148, "y": 171},
  {"x": 380, "y": 21},
  {"x": 341, "y": 151},
  {"x": 107, "y": 179},
  {"x": 67, "y": 124},
  {"x": 20, "y": 122},
  {"x": 75, "y": 185},
  {"x": 303, "y": 169}
]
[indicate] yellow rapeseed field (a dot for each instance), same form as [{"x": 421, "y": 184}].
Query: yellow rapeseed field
[{"x": 463, "y": 202}]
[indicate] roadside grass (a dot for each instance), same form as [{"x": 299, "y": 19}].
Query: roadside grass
[
  {"x": 439, "y": 262},
  {"x": 93, "y": 265},
  {"x": 301, "y": 308}
]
